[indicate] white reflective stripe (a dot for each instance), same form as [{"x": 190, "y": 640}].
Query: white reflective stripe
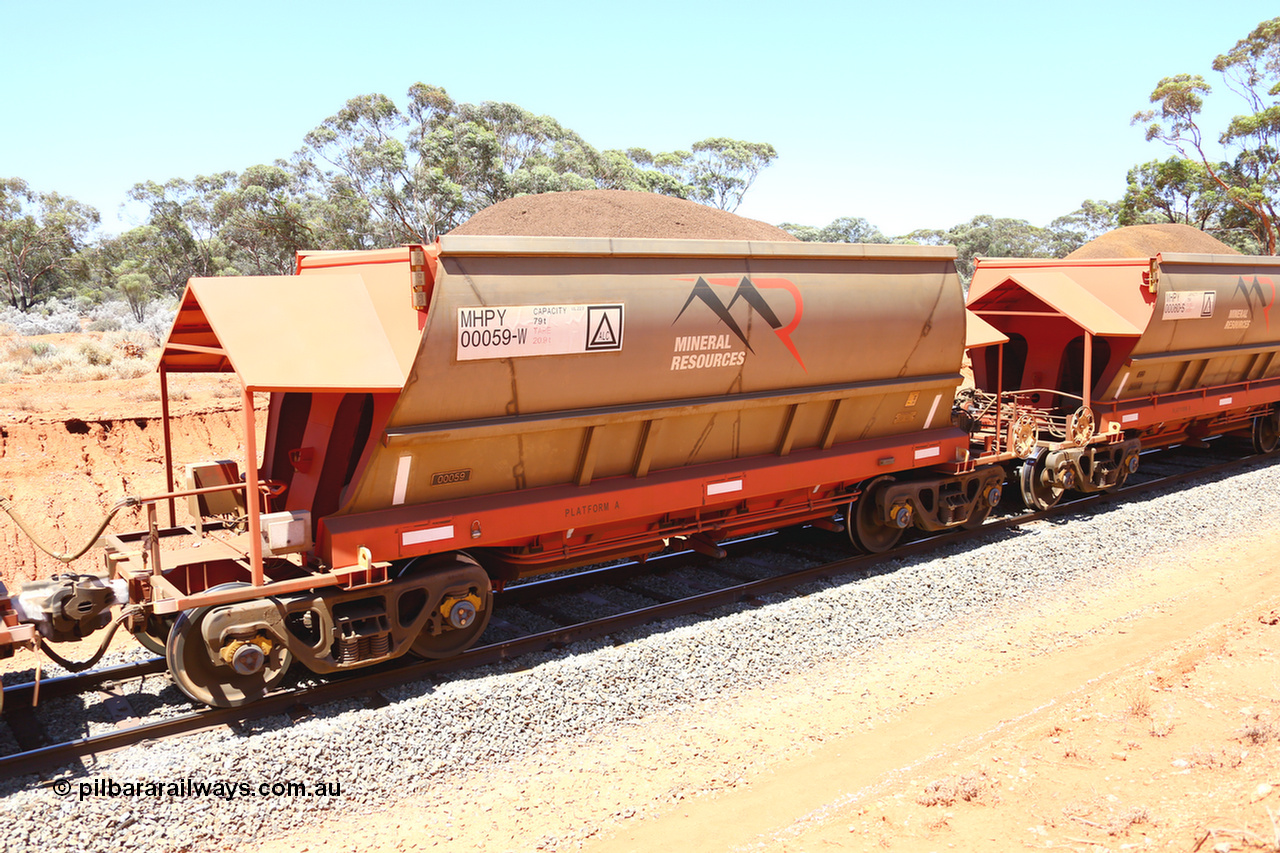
[
  {"x": 1225, "y": 401},
  {"x": 402, "y": 480},
  {"x": 722, "y": 488},
  {"x": 932, "y": 410},
  {"x": 928, "y": 452},
  {"x": 1120, "y": 390},
  {"x": 1129, "y": 418},
  {"x": 431, "y": 534}
]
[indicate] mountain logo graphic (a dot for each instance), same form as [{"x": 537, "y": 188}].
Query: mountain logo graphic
[
  {"x": 1256, "y": 288},
  {"x": 749, "y": 292}
]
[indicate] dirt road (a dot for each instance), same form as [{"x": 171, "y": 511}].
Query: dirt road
[{"x": 1145, "y": 719}]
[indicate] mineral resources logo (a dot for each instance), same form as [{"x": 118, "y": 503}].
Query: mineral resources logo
[
  {"x": 1265, "y": 290},
  {"x": 718, "y": 350}
]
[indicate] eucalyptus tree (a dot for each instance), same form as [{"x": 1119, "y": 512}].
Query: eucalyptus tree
[
  {"x": 721, "y": 170},
  {"x": 183, "y": 239},
  {"x": 420, "y": 172},
  {"x": 42, "y": 238},
  {"x": 1251, "y": 139},
  {"x": 1176, "y": 190},
  {"x": 845, "y": 229},
  {"x": 1090, "y": 220},
  {"x": 261, "y": 216},
  {"x": 989, "y": 236}
]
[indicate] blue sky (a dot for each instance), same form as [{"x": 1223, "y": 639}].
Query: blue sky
[{"x": 910, "y": 115}]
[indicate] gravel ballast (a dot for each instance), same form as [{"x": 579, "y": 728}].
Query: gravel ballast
[{"x": 463, "y": 725}]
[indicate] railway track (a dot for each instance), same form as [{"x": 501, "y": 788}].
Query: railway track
[{"x": 545, "y": 614}]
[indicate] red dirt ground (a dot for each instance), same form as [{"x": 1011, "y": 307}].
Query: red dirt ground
[
  {"x": 1157, "y": 724},
  {"x": 1144, "y": 714},
  {"x": 70, "y": 450}
]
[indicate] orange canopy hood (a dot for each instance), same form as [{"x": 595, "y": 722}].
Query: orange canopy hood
[
  {"x": 285, "y": 333},
  {"x": 979, "y": 333},
  {"x": 1040, "y": 290}
]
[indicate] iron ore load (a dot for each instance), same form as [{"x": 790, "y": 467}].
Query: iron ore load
[{"x": 446, "y": 419}]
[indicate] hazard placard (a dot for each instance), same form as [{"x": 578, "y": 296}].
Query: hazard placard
[
  {"x": 604, "y": 327},
  {"x": 518, "y": 331},
  {"x": 1188, "y": 305}
]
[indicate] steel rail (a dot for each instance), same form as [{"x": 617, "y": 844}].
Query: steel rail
[
  {"x": 19, "y": 696},
  {"x": 391, "y": 674},
  {"x": 57, "y": 686}
]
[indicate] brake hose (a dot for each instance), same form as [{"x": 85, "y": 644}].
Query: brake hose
[
  {"x": 72, "y": 666},
  {"x": 123, "y": 503}
]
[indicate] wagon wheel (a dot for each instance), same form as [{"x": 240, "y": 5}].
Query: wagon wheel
[
  {"x": 218, "y": 685},
  {"x": 1128, "y": 465},
  {"x": 1080, "y": 426},
  {"x": 461, "y": 617},
  {"x": 1022, "y": 435},
  {"x": 1266, "y": 432},
  {"x": 866, "y": 531},
  {"x": 986, "y": 502},
  {"x": 1039, "y": 489},
  {"x": 154, "y": 633}
]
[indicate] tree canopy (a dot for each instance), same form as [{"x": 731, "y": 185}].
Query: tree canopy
[
  {"x": 372, "y": 174},
  {"x": 1249, "y": 179},
  {"x": 377, "y": 173},
  {"x": 396, "y": 176},
  {"x": 846, "y": 229},
  {"x": 42, "y": 235},
  {"x": 1000, "y": 237}
]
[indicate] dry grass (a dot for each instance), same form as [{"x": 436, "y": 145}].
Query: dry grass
[
  {"x": 95, "y": 354},
  {"x": 146, "y": 395},
  {"x": 945, "y": 792},
  {"x": 1133, "y": 817},
  {"x": 1138, "y": 701},
  {"x": 1108, "y": 822},
  {"x": 1251, "y": 840},
  {"x": 940, "y": 823},
  {"x": 1213, "y": 759},
  {"x": 1259, "y": 731},
  {"x": 114, "y": 355}
]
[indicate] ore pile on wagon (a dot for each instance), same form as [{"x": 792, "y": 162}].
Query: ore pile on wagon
[{"x": 445, "y": 419}]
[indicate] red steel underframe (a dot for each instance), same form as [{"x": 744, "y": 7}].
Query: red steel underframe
[
  {"x": 517, "y": 518},
  {"x": 803, "y": 485},
  {"x": 1146, "y": 413},
  {"x": 703, "y": 498}
]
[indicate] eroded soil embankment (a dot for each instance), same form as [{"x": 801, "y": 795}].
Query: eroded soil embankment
[{"x": 64, "y": 476}]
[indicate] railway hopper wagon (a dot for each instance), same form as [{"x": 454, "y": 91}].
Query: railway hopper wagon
[
  {"x": 1097, "y": 359},
  {"x": 446, "y": 419}
]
